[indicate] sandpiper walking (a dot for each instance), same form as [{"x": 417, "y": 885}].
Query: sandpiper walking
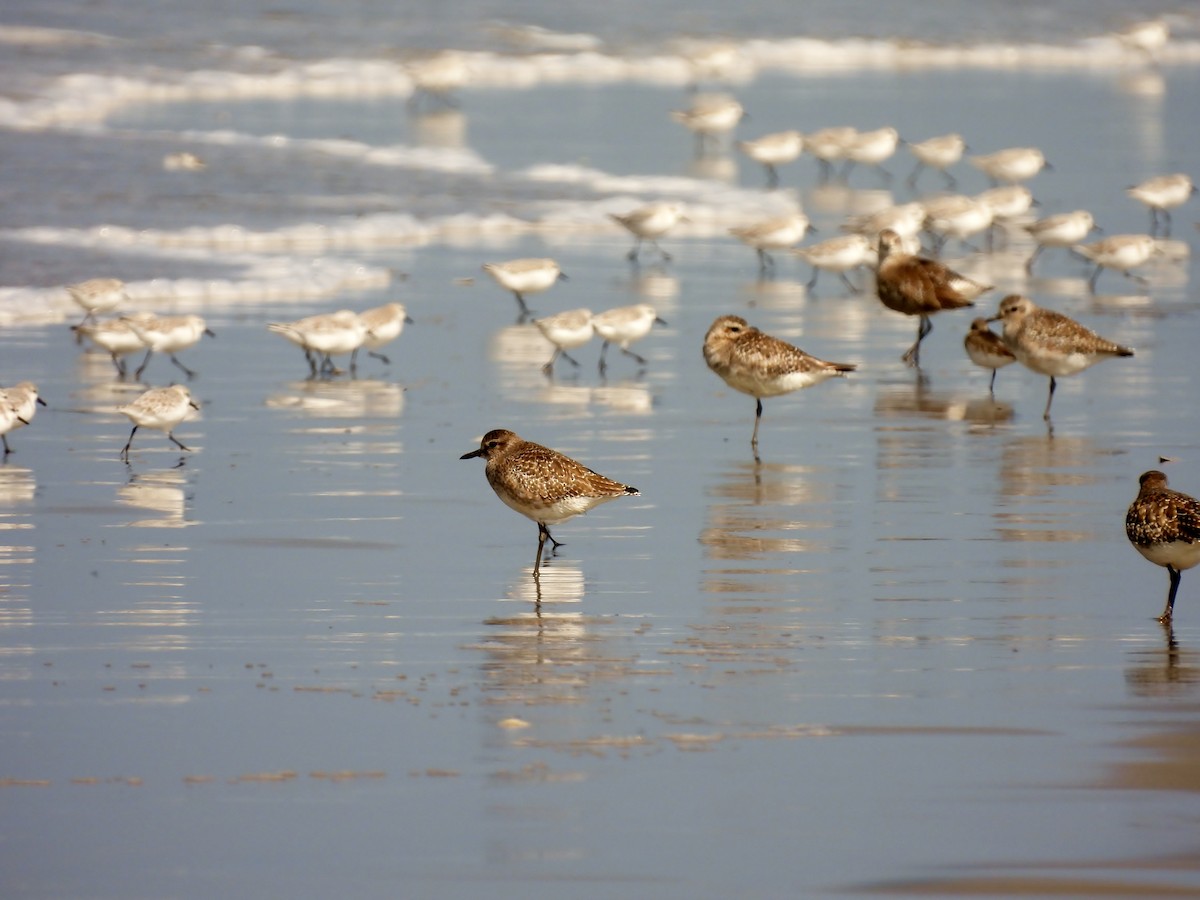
[
  {"x": 543, "y": 484},
  {"x": 525, "y": 276},
  {"x": 160, "y": 408},
  {"x": 1164, "y": 526},
  {"x": 622, "y": 326}
]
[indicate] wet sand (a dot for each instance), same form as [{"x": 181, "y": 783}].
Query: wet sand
[{"x": 910, "y": 651}]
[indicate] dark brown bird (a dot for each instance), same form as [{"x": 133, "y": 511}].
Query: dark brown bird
[
  {"x": 916, "y": 286},
  {"x": 1164, "y": 526}
]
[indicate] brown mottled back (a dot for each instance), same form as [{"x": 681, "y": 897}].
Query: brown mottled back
[
  {"x": 1160, "y": 515},
  {"x": 917, "y": 286}
]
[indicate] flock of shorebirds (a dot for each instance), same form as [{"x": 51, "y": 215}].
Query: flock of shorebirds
[{"x": 548, "y": 487}]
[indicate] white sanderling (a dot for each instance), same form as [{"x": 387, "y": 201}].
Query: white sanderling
[
  {"x": 956, "y": 216},
  {"x": 1050, "y": 343},
  {"x": 1012, "y": 165},
  {"x": 828, "y": 146},
  {"x": 1121, "y": 252},
  {"x": 760, "y": 365},
  {"x": 160, "y": 408},
  {"x": 114, "y": 336},
  {"x": 18, "y": 405},
  {"x": 542, "y": 484},
  {"x": 709, "y": 117},
  {"x": 97, "y": 295},
  {"x": 623, "y": 326},
  {"x": 838, "y": 254},
  {"x": 938, "y": 153},
  {"x": 1162, "y": 194},
  {"x": 1146, "y": 37},
  {"x": 566, "y": 331},
  {"x": 328, "y": 335},
  {"x": 777, "y": 233},
  {"x": 648, "y": 223},
  {"x": 167, "y": 334},
  {"x": 871, "y": 148},
  {"x": 437, "y": 77},
  {"x": 525, "y": 276},
  {"x": 1059, "y": 230},
  {"x": 775, "y": 149},
  {"x": 384, "y": 324}
]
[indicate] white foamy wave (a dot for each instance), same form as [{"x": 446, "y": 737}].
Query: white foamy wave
[
  {"x": 84, "y": 98},
  {"x": 32, "y": 36},
  {"x": 263, "y": 280}
]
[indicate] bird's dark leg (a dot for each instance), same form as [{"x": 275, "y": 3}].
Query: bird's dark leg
[
  {"x": 1092, "y": 280},
  {"x": 140, "y": 369},
  {"x": 379, "y": 356},
  {"x": 663, "y": 253},
  {"x": 992, "y": 384},
  {"x": 125, "y": 449},
  {"x": 951, "y": 181},
  {"x": 633, "y": 254},
  {"x": 641, "y": 359},
  {"x": 548, "y": 368},
  {"x": 1176, "y": 577},
  {"x": 757, "y": 417},
  {"x": 120, "y": 366},
  {"x": 572, "y": 360},
  {"x": 7, "y": 449},
  {"x": 525, "y": 313},
  {"x": 772, "y": 177},
  {"x": 1032, "y": 259},
  {"x": 603, "y": 364},
  {"x": 812, "y": 281},
  {"x": 911, "y": 180},
  {"x": 174, "y": 440},
  {"x": 854, "y": 289},
  {"x": 186, "y": 371},
  {"x": 1049, "y": 399}
]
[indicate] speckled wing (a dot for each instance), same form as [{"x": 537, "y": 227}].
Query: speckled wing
[
  {"x": 768, "y": 358},
  {"x": 1164, "y": 516},
  {"x": 542, "y": 477},
  {"x": 1051, "y": 331}
]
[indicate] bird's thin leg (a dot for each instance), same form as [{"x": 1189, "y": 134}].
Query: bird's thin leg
[
  {"x": 812, "y": 280},
  {"x": 603, "y": 364},
  {"x": 1032, "y": 259},
  {"x": 120, "y": 366},
  {"x": 757, "y": 418},
  {"x": 186, "y": 371},
  {"x": 142, "y": 368},
  {"x": 7, "y": 449},
  {"x": 569, "y": 358},
  {"x": 911, "y": 180},
  {"x": 1092, "y": 280},
  {"x": 992, "y": 384},
  {"x": 125, "y": 449},
  {"x": 633, "y": 254},
  {"x": 854, "y": 289},
  {"x": 951, "y": 181},
  {"x": 548, "y": 368},
  {"x": 772, "y": 177},
  {"x": 537, "y": 560},
  {"x": 1049, "y": 399},
  {"x": 663, "y": 253},
  {"x": 379, "y": 356},
  {"x": 1176, "y": 577},
  {"x": 174, "y": 440},
  {"x": 641, "y": 359}
]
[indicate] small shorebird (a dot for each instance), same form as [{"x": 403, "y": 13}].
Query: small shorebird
[
  {"x": 762, "y": 366},
  {"x": 167, "y": 334},
  {"x": 939, "y": 153},
  {"x": 916, "y": 286},
  {"x": 1060, "y": 230},
  {"x": 161, "y": 408},
  {"x": 18, "y": 405},
  {"x": 1006, "y": 203},
  {"x": 97, "y": 295},
  {"x": 1162, "y": 194},
  {"x": 525, "y": 276},
  {"x": 383, "y": 324},
  {"x": 624, "y": 325},
  {"x": 1050, "y": 343},
  {"x": 648, "y": 223},
  {"x": 1011, "y": 165},
  {"x": 871, "y": 148},
  {"x": 987, "y": 349},
  {"x": 778, "y": 233},
  {"x": 566, "y": 331},
  {"x": 1164, "y": 526},
  {"x": 838, "y": 254},
  {"x": 771, "y": 150},
  {"x": 956, "y": 216},
  {"x": 542, "y": 484},
  {"x": 828, "y": 146},
  {"x": 709, "y": 117},
  {"x": 906, "y": 220},
  {"x": 1121, "y": 252},
  {"x": 114, "y": 336},
  {"x": 325, "y": 334}
]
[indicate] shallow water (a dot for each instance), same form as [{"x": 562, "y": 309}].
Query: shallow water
[{"x": 908, "y": 651}]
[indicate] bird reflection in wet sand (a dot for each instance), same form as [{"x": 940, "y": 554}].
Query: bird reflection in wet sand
[
  {"x": 1164, "y": 526},
  {"x": 916, "y": 286},
  {"x": 762, "y": 366},
  {"x": 1050, "y": 343},
  {"x": 1168, "y": 671},
  {"x": 542, "y": 484}
]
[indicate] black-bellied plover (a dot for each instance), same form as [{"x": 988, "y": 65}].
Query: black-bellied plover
[
  {"x": 1050, "y": 343},
  {"x": 1164, "y": 526},
  {"x": 761, "y": 365},
  {"x": 542, "y": 484}
]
